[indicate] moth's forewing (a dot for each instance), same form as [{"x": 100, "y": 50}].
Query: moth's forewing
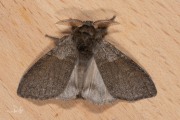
[
  {"x": 123, "y": 78},
  {"x": 49, "y": 76}
]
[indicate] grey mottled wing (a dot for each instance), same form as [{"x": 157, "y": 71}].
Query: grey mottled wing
[
  {"x": 49, "y": 76},
  {"x": 123, "y": 78}
]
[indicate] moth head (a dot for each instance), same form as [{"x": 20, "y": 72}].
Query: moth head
[{"x": 96, "y": 24}]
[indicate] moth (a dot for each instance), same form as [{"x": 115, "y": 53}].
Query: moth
[{"x": 83, "y": 64}]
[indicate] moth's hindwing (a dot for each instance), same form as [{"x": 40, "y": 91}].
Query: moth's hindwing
[
  {"x": 123, "y": 78},
  {"x": 49, "y": 76},
  {"x": 94, "y": 88}
]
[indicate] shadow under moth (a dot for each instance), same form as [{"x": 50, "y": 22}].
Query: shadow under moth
[{"x": 83, "y": 64}]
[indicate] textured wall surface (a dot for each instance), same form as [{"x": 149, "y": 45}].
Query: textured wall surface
[{"x": 149, "y": 32}]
